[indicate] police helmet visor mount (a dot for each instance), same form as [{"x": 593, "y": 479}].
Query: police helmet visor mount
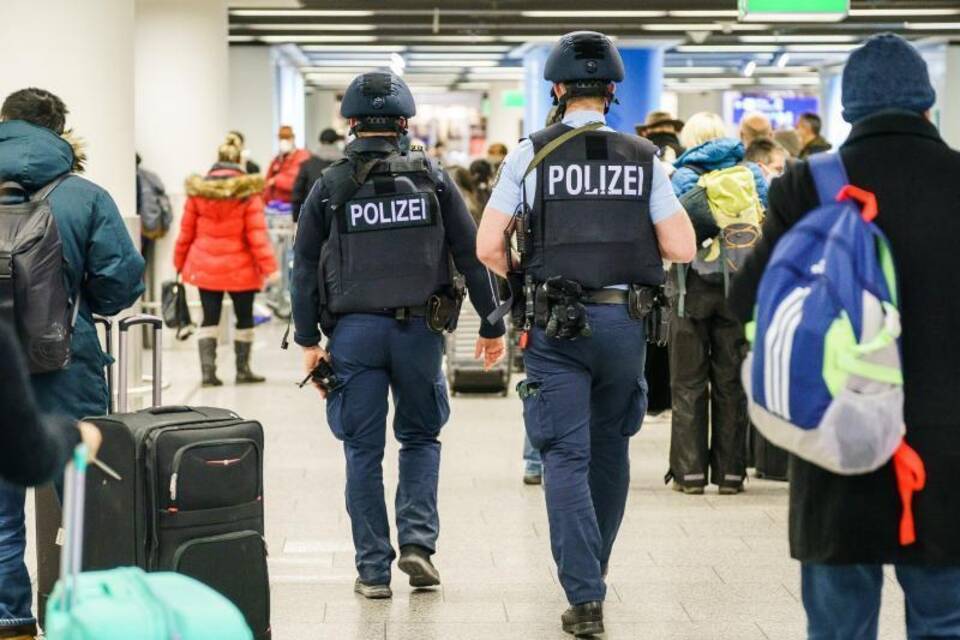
[
  {"x": 378, "y": 102},
  {"x": 586, "y": 63}
]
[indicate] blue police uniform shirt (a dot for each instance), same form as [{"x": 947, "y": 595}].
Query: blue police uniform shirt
[{"x": 506, "y": 196}]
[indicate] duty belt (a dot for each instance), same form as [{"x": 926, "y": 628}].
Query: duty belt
[
  {"x": 402, "y": 313},
  {"x": 606, "y": 296}
]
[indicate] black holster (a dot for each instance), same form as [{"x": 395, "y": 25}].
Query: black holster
[{"x": 443, "y": 308}]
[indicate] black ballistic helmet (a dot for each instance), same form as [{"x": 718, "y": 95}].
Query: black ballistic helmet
[
  {"x": 379, "y": 100},
  {"x": 584, "y": 55},
  {"x": 586, "y": 62}
]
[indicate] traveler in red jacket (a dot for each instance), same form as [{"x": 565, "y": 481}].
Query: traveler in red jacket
[
  {"x": 223, "y": 247},
  {"x": 285, "y": 167}
]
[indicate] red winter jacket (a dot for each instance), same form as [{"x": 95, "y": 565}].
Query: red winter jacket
[
  {"x": 283, "y": 171},
  {"x": 223, "y": 243}
]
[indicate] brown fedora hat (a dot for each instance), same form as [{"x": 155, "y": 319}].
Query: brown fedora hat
[{"x": 658, "y": 119}]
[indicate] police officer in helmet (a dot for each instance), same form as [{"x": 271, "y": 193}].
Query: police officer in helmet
[
  {"x": 593, "y": 216},
  {"x": 381, "y": 238}
]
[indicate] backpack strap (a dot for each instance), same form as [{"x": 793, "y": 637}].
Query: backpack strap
[
  {"x": 47, "y": 189},
  {"x": 829, "y": 175}
]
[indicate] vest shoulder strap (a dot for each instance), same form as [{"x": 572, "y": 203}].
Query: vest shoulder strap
[
  {"x": 343, "y": 178},
  {"x": 556, "y": 143}
]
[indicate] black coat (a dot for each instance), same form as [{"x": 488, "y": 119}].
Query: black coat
[
  {"x": 310, "y": 172},
  {"x": 33, "y": 449},
  {"x": 916, "y": 177}
]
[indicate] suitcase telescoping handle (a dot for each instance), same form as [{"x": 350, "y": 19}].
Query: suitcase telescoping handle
[
  {"x": 108, "y": 338},
  {"x": 71, "y": 555},
  {"x": 125, "y": 325}
]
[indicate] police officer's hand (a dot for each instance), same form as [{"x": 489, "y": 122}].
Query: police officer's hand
[
  {"x": 491, "y": 350},
  {"x": 312, "y": 356}
]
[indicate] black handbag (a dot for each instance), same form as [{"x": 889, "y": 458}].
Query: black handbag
[{"x": 176, "y": 313}]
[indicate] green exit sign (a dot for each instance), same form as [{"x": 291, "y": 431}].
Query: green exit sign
[
  {"x": 513, "y": 99},
  {"x": 794, "y": 10}
]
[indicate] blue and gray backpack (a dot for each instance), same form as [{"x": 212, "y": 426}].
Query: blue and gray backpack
[{"x": 824, "y": 379}]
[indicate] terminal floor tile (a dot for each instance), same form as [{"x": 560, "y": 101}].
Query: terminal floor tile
[{"x": 685, "y": 567}]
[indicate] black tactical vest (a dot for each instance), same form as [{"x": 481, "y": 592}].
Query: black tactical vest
[
  {"x": 590, "y": 219},
  {"x": 386, "y": 247}
]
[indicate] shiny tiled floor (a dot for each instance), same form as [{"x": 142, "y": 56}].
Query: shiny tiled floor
[{"x": 685, "y": 567}]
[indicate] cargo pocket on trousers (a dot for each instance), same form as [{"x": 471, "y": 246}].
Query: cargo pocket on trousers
[
  {"x": 535, "y": 414},
  {"x": 637, "y": 409},
  {"x": 443, "y": 405}
]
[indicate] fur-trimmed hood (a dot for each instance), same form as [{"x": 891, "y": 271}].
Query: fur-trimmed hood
[{"x": 225, "y": 185}]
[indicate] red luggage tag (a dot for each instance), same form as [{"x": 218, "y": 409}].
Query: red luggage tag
[{"x": 524, "y": 340}]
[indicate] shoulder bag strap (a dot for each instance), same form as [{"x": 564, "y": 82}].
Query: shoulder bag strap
[{"x": 829, "y": 175}]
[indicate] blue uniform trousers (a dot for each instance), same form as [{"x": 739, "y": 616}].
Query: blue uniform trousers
[
  {"x": 371, "y": 355},
  {"x": 584, "y": 400}
]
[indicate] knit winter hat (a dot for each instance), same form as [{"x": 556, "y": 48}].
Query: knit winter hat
[{"x": 887, "y": 72}]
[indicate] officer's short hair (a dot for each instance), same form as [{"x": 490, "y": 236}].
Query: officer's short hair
[
  {"x": 813, "y": 120},
  {"x": 36, "y": 106}
]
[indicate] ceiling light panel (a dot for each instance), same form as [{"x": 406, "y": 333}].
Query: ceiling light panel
[
  {"x": 308, "y": 26},
  {"x": 932, "y": 26},
  {"x": 897, "y": 13},
  {"x": 460, "y": 54},
  {"x": 298, "y": 13},
  {"x": 704, "y": 26},
  {"x": 726, "y": 48},
  {"x": 594, "y": 14},
  {"x": 825, "y": 38},
  {"x": 325, "y": 38},
  {"x": 351, "y": 50},
  {"x": 486, "y": 48},
  {"x": 452, "y": 62},
  {"x": 710, "y": 13}
]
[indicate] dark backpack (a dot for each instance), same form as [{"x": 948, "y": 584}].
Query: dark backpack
[
  {"x": 34, "y": 295},
  {"x": 156, "y": 213}
]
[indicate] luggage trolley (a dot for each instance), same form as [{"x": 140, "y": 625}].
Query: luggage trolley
[
  {"x": 281, "y": 230},
  {"x": 464, "y": 372}
]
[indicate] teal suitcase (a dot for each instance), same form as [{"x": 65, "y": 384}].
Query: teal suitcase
[{"x": 127, "y": 603}]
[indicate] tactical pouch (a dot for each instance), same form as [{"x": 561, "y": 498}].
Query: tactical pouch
[
  {"x": 443, "y": 310},
  {"x": 641, "y": 301}
]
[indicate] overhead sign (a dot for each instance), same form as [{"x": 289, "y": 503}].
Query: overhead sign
[{"x": 794, "y": 10}]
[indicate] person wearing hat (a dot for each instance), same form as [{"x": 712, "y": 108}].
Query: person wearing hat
[
  {"x": 327, "y": 153},
  {"x": 601, "y": 218},
  {"x": 284, "y": 169},
  {"x": 843, "y": 529},
  {"x": 378, "y": 239},
  {"x": 661, "y": 128}
]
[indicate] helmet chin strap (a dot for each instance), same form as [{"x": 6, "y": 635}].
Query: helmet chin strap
[{"x": 583, "y": 91}]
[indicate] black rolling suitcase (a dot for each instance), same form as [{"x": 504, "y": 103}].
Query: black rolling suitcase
[{"x": 190, "y": 498}]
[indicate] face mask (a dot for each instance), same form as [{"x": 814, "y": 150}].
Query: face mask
[
  {"x": 286, "y": 145},
  {"x": 245, "y": 154}
]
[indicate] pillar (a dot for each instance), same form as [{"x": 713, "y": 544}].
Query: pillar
[
  {"x": 181, "y": 97},
  {"x": 83, "y": 52},
  {"x": 949, "y": 99},
  {"x": 322, "y": 110},
  {"x": 251, "y": 106},
  {"x": 638, "y": 94},
  {"x": 504, "y": 121}
]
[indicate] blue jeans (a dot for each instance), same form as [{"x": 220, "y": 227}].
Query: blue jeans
[
  {"x": 533, "y": 465},
  {"x": 16, "y": 595},
  {"x": 584, "y": 400},
  {"x": 374, "y": 355},
  {"x": 843, "y": 601}
]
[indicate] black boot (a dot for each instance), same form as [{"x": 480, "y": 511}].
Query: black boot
[
  {"x": 208, "y": 361},
  {"x": 415, "y": 562},
  {"x": 584, "y": 619},
  {"x": 243, "y": 345}
]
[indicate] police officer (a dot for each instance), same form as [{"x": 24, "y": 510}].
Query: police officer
[
  {"x": 595, "y": 218},
  {"x": 375, "y": 252}
]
